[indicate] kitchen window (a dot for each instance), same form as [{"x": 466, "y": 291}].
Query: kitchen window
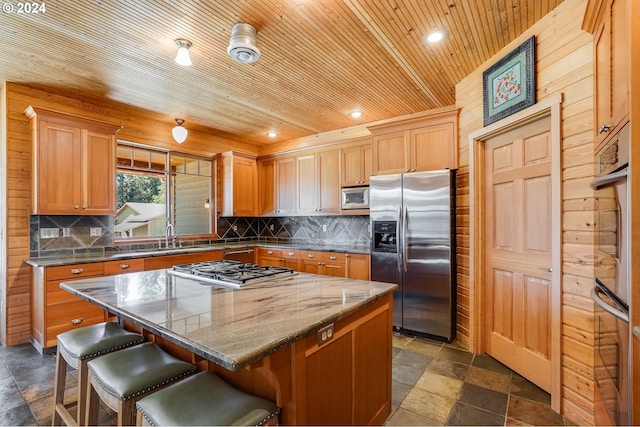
[{"x": 154, "y": 188}]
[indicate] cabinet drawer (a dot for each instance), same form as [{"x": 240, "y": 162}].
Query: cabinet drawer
[
  {"x": 72, "y": 314},
  {"x": 332, "y": 257},
  {"x": 291, "y": 254},
  {"x": 56, "y": 295},
  {"x": 168, "y": 261},
  {"x": 123, "y": 266},
  {"x": 268, "y": 252},
  {"x": 74, "y": 271}
]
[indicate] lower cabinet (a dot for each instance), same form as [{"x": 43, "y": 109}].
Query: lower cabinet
[
  {"x": 347, "y": 379},
  {"x": 55, "y": 310},
  {"x": 336, "y": 264}
]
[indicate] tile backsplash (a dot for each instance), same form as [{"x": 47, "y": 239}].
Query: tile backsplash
[
  {"x": 339, "y": 230},
  {"x": 64, "y": 235}
]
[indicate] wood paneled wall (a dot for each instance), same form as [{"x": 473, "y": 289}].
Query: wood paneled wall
[
  {"x": 564, "y": 64},
  {"x": 139, "y": 126}
]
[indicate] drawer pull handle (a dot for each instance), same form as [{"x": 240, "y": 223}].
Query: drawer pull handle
[
  {"x": 291, "y": 254},
  {"x": 332, "y": 257},
  {"x": 124, "y": 266},
  {"x": 77, "y": 270},
  {"x": 77, "y": 321},
  {"x": 310, "y": 255},
  {"x": 270, "y": 252}
]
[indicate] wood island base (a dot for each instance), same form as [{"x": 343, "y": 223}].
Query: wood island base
[{"x": 345, "y": 379}]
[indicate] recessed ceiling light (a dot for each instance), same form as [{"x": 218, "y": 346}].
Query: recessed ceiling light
[
  {"x": 434, "y": 36},
  {"x": 355, "y": 114},
  {"x": 272, "y": 134}
]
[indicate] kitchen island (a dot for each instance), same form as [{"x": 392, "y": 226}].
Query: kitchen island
[{"x": 318, "y": 346}]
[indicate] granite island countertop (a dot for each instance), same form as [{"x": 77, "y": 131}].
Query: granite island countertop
[
  {"x": 102, "y": 256},
  {"x": 228, "y": 326}
]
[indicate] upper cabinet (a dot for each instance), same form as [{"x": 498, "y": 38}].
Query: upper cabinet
[
  {"x": 417, "y": 145},
  {"x": 74, "y": 164},
  {"x": 237, "y": 184},
  {"x": 318, "y": 186},
  {"x": 277, "y": 185},
  {"x": 304, "y": 184},
  {"x": 356, "y": 164},
  {"x": 612, "y": 50}
]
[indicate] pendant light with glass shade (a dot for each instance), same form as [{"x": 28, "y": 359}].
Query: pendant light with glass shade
[{"x": 179, "y": 132}]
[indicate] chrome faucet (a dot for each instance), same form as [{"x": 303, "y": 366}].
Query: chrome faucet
[{"x": 170, "y": 232}]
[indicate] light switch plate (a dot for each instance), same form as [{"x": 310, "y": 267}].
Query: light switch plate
[{"x": 95, "y": 231}]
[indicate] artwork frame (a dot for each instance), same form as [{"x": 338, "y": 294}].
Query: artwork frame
[{"x": 509, "y": 85}]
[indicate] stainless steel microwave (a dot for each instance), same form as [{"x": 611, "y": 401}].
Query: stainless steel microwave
[{"x": 355, "y": 198}]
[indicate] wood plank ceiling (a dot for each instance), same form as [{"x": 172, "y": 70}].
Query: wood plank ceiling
[{"x": 320, "y": 59}]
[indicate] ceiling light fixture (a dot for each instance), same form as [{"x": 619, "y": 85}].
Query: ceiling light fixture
[
  {"x": 243, "y": 46},
  {"x": 179, "y": 132},
  {"x": 434, "y": 36},
  {"x": 183, "y": 57},
  {"x": 272, "y": 134},
  {"x": 356, "y": 114}
]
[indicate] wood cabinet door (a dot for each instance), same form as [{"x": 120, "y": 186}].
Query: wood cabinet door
[
  {"x": 98, "y": 173},
  {"x": 59, "y": 174},
  {"x": 328, "y": 186},
  {"x": 244, "y": 187},
  {"x": 357, "y": 266},
  {"x": 286, "y": 185},
  {"x": 352, "y": 167},
  {"x": 612, "y": 51},
  {"x": 432, "y": 148},
  {"x": 307, "y": 184},
  {"x": 367, "y": 163},
  {"x": 267, "y": 185},
  {"x": 390, "y": 153}
]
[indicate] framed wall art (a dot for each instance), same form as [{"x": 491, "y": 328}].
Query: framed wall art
[{"x": 509, "y": 85}]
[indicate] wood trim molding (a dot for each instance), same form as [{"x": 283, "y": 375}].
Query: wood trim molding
[{"x": 551, "y": 106}]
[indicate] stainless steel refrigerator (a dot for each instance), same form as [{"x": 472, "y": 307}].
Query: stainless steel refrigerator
[{"x": 413, "y": 245}]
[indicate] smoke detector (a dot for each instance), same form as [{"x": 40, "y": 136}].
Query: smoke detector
[{"x": 242, "y": 46}]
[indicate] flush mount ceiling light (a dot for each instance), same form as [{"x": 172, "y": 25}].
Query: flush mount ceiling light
[
  {"x": 242, "y": 46},
  {"x": 183, "y": 57},
  {"x": 179, "y": 132},
  {"x": 434, "y": 36},
  {"x": 356, "y": 114},
  {"x": 272, "y": 134}
]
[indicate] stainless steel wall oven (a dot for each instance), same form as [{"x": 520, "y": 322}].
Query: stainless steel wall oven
[{"x": 611, "y": 291}]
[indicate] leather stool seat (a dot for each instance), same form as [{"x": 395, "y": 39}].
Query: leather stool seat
[
  {"x": 121, "y": 378},
  {"x": 205, "y": 399},
  {"x": 75, "y": 349}
]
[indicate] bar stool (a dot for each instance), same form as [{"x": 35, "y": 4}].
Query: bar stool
[
  {"x": 75, "y": 349},
  {"x": 205, "y": 399},
  {"x": 121, "y": 378}
]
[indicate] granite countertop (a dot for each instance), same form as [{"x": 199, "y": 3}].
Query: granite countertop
[
  {"x": 115, "y": 255},
  {"x": 231, "y": 327}
]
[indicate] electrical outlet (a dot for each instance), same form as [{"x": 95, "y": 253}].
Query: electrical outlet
[
  {"x": 271, "y": 227},
  {"x": 235, "y": 227},
  {"x": 49, "y": 233},
  {"x": 66, "y": 232},
  {"x": 325, "y": 334},
  {"x": 324, "y": 227},
  {"x": 95, "y": 231}
]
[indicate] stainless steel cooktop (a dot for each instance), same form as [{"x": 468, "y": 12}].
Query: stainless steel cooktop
[{"x": 229, "y": 273}]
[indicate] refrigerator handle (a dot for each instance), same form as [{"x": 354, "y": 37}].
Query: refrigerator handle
[
  {"x": 399, "y": 243},
  {"x": 404, "y": 237}
]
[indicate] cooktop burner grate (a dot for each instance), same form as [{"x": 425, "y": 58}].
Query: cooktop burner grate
[{"x": 228, "y": 272}]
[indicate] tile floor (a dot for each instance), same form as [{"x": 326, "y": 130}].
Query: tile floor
[{"x": 433, "y": 384}]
